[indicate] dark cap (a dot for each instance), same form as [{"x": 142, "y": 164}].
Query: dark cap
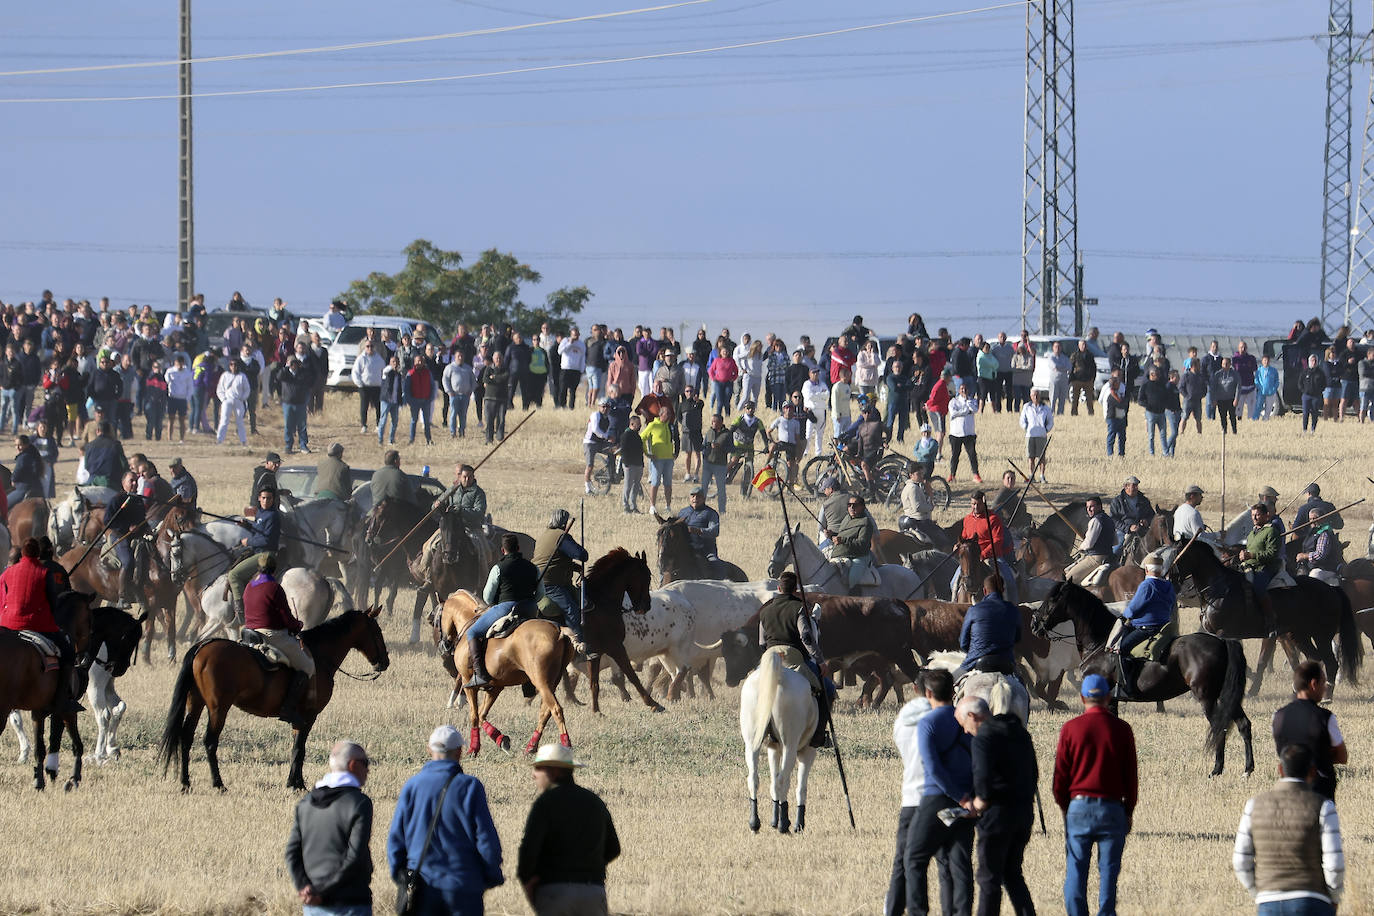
[
  {"x": 175, "y": 462},
  {"x": 272, "y": 456}
]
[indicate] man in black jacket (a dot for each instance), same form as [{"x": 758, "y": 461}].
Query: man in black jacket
[
  {"x": 1004, "y": 779},
  {"x": 328, "y": 852},
  {"x": 297, "y": 381}
]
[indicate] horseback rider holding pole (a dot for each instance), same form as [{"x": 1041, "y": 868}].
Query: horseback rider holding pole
[
  {"x": 558, "y": 555},
  {"x": 126, "y": 518},
  {"x": 263, "y": 539}
]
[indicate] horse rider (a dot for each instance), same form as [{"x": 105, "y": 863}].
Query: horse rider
[
  {"x": 183, "y": 484},
  {"x": 1271, "y": 496},
  {"x": 1188, "y": 522},
  {"x": 851, "y": 541},
  {"x": 703, "y": 524},
  {"x": 333, "y": 478},
  {"x": 156, "y": 492},
  {"x": 1324, "y": 560},
  {"x": 1132, "y": 512},
  {"x": 1150, "y": 610},
  {"x": 916, "y": 504},
  {"x": 267, "y": 613},
  {"x": 555, "y": 553},
  {"x": 991, "y": 630},
  {"x": 1262, "y": 559},
  {"x": 1007, "y": 498},
  {"x": 835, "y": 499},
  {"x": 28, "y": 478},
  {"x": 1315, "y": 507},
  {"x": 513, "y": 583},
  {"x": 126, "y": 517},
  {"x": 1098, "y": 543},
  {"x": 28, "y": 595},
  {"x": 105, "y": 459},
  {"x": 265, "y": 476},
  {"x": 389, "y": 482},
  {"x": 263, "y": 539},
  {"x": 469, "y": 501},
  {"x": 788, "y": 630},
  {"x": 985, "y": 527}
]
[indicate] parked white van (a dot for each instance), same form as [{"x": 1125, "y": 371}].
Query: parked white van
[{"x": 344, "y": 349}]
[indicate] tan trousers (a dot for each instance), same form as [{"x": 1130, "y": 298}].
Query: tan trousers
[
  {"x": 290, "y": 647},
  {"x": 1082, "y": 567},
  {"x": 793, "y": 658}
]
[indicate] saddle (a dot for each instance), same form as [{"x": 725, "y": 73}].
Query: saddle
[
  {"x": 871, "y": 576},
  {"x": 51, "y": 654},
  {"x": 1098, "y": 576},
  {"x": 1156, "y": 648},
  {"x": 525, "y": 610},
  {"x": 1282, "y": 580},
  {"x": 267, "y": 656}
]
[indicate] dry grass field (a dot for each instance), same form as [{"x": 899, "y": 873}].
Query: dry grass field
[{"x": 128, "y": 842}]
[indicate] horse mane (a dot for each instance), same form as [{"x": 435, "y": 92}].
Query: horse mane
[
  {"x": 331, "y": 628},
  {"x": 612, "y": 560}
]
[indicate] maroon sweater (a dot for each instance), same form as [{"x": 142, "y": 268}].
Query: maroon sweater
[
  {"x": 1095, "y": 757},
  {"x": 265, "y": 607}
]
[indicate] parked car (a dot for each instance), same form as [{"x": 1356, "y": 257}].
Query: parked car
[
  {"x": 299, "y": 479},
  {"x": 1043, "y": 344},
  {"x": 344, "y": 349}
]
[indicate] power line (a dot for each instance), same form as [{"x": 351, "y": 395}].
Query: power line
[
  {"x": 328, "y": 49},
  {"x": 661, "y": 55}
]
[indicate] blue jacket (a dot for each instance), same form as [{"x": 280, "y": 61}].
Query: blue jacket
[
  {"x": 991, "y": 627},
  {"x": 1266, "y": 381},
  {"x": 465, "y": 854},
  {"x": 1152, "y": 605},
  {"x": 945, "y": 754},
  {"x": 708, "y": 520},
  {"x": 266, "y": 533}
]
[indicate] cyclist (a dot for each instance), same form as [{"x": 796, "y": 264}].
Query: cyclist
[
  {"x": 746, "y": 428},
  {"x": 867, "y": 439},
  {"x": 597, "y": 438}
]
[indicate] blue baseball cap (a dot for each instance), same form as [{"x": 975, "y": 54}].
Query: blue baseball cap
[{"x": 1095, "y": 687}]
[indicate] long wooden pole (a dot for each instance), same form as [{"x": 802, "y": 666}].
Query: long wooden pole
[
  {"x": 1222, "y": 525},
  {"x": 1041, "y": 494},
  {"x": 1326, "y": 515},
  {"x": 1304, "y": 489}
]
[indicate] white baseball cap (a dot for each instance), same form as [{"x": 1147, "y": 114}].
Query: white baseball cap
[{"x": 445, "y": 738}]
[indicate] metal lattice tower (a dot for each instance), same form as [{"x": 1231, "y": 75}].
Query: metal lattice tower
[
  {"x": 1336, "y": 209},
  {"x": 1358, "y": 299},
  {"x": 1049, "y": 241},
  {"x": 186, "y": 235}
]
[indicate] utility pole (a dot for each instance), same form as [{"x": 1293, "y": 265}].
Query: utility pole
[
  {"x": 1358, "y": 299},
  {"x": 1050, "y": 296},
  {"x": 1337, "y": 240},
  {"x": 186, "y": 235}
]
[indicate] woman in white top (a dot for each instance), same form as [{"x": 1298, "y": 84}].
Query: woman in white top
[
  {"x": 750, "y": 374},
  {"x": 963, "y": 410},
  {"x": 866, "y": 368},
  {"x": 232, "y": 392},
  {"x": 839, "y": 404}
]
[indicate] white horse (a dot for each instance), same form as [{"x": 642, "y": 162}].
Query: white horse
[
  {"x": 774, "y": 694},
  {"x": 1002, "y": 692},
  {"x": 818, "y": 573},
  {"x": 312, "y": 598},
  {"x": 67, "y": 517}
]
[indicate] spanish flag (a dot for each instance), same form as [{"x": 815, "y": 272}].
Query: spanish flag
[{"x": 764, "y": 477}]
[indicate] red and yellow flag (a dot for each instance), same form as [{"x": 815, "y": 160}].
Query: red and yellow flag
[{"x": 764, "y": 477}]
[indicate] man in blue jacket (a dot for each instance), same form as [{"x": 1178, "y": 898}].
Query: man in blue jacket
[
  {"x": 463, "y": 860},
  {"x": 991, "y": 630},
  {"x": 1150, "y": 610}
]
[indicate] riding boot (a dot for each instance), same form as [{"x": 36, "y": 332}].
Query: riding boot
[
  {"x": 291, "y": 700},
  {"x": 1271, "y": 622},
  {"x": 65, "y": 700},
  {"x": 126, "y": 586},
  {"x": 821, "y": 736},
  {"x": 477, "y": 651}
]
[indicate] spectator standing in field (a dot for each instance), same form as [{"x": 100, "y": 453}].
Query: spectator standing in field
[
  {"x": 460, "y": 382},
  {"x": 1246, "y": 365},
  {"x": 645, "y": 352},
  {"x": 1115, "y": 409},
  {"x": 690, "y": 410},
  {"x": 867, "y": 364},
  {"x": 722, "y": 372},
  {"x": 1331, "y": 394},
  {"x": 1224, "y": 386},
  {"x": 597, "y": 363},
  {"x": 775, "y": 379},
  {"x": 232, "y": 391},
  {"x": 1095, "y": 785},
  {"x": 963, "y": 436},
  {"x": 1022, "y": 372},
  {"x": 1005, "y": 774},
  {"x": 569, "y": 840},
  {"x": 1154, "y": 397},
  {"x": 572, "y": 357},
  {"x": 420, "y": 397},
  {"x": 840, "y": 401},
  {"x": 1288, "y": 851},
  {"x": 1061, "y": 366},
  {"x": 1305, "y": 722},
  {"x": 180, "y": 387},
  {"x": 1173, "y": 412},
  {"x": 1192, "y": 389},
  {"x": 658, "y": 445},
  {"x": 1267, "y": 391},
  {"x": 1082, "y": 378},
  {"x": 1312, "y": 384},
  {"x": 1038, "y": 421},
  {"x": 621, "y": 373},
  {"x": 1209, "y": 363},
  {"x": 329, "y": 852},
  {"x": 913, "y": 785},
  {"x": 297, "y": 381},
  {"x": 496, "y": 382},
  {"x": 393, "y": 393},
  {"x": 463, "y": 858},
  {"x": 1002, "y": 351},
  {"x": 154, "y": 401},
  {"x": 985, "y": 364},
  {"x": 842, "y": 357},
  {"x": 1366, "y": 371},
  {"x": 632, "y": 463},
  {"x": 718, "y": 443},
  {"x": 937, "y": 407}
]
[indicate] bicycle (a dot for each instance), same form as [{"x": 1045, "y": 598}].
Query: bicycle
[
  {"x": 743, "y": 470},
  {"x": 888, "y": 473},
  {"x": 940, "y": 494},
  {"x": 608, "y": 470}
]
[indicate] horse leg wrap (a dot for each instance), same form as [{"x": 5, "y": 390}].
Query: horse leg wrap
[
  {"x": 51, "y": 762},
  {"x": 533, "y": 742},
  {"x": 564, "y": 740},
  {"x": 492, "y": 731},
  {"x": 475, "y": 742}
]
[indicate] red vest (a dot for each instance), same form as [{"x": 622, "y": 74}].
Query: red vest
[
  {"x": 265, "y": 608},
  {"x": 24, "y": 598}
]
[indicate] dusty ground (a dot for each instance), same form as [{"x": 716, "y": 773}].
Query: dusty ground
[{"x": 128, "y": 842}]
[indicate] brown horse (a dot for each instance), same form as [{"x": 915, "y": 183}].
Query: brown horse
[
  {"x": 535, "y": 653},
  {"x": 610, "y": 580},
  {"x": 677, "y": 559},
  {"x": 28, "y": 519},
  {"x": 24, "y": 684},
  {"x": 1042, "y": 556},
  {"x": 219, "y": 674}
]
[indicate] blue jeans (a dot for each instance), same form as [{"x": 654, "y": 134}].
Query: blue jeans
[
  {"x": 1311, "y": 408},
  {"x": 419, "y": 409},
  {"x": 1093, "y": 822},
  {"x": 1116, "y": 431},
  {"x": 483, "y": 623},
  {"x": 1298, "y": 906},
  {"x": 720, "y": 396},
  {"x": 569, "y": 601},
  {"x": 458, "y": 413},
  {"x": 8, "y": 403},
  {"x": 1155, "y": 421},
  {"x": 1172, "y": 417},
  {"x": 356, "y": 909},
  {"x": 293, "y": 425},
  {"x": 596, "y": 383},
  {"x": 390, "y": 412}
]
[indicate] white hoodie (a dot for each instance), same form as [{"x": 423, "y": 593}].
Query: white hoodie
[{"x": 904, "y": 735}]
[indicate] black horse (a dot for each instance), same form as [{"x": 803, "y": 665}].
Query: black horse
[
  {"x": 677, "y": 559},
  {"x": 1211, "y": 668},
  {"x": 1311, "y": 614}
]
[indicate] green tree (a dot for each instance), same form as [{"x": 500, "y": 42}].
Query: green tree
[{"x": 436, "y": 287}]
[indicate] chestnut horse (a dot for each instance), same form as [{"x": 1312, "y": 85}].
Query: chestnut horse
[
  {"x": 219, "y": 674},
  {"x": 28, "y": 519},
  {"x": 535, "y": 653},
  {"x": 24, "y": 684}
]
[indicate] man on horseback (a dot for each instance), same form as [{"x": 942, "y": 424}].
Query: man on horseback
[
  {"x": 105, "y": 459},
  {"x": 990, "y": 632},
  {"x": 1262, "y": 559},
  {"x": 1150, "y": 610},
  {"x": 265, "y": 476},
  {"x": 994, "y": 545},
  {"x": 267, "y": 613},
  {"x": 333, "y": 478},
  {"x": 28, "y": 595},
  {"x": 788, "y": 630},
  {"x": 555, "y": 553},
  {"x": 851, "y": 542},
  {"x": 469, "y": 500},
  {"x": 264, "y": 539},
  {"x": 1188, "y": 522},
  {"x": 1132, "y": 512},
  {"x": 834, "y": 500},
  {"x": 1325, "y": 559},
  {"x": 1315, "y": 507},
  {"x": 514, "y": 582},
  {"x": 916, "y": 504},
  {"x": 184, "y": 484},
  {"x": 390, "y": 483},
  {"x": 703, "y": 524},
  {"x": 126, "y": 518},
  {"x": 28, "y": 476}
]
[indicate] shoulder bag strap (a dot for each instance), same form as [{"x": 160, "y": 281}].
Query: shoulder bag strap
[{"x": 434, "y": 821}]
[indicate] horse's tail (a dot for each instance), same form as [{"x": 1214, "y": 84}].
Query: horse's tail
[
  {"x": 769, "y": 681},
  {"x": 176, "y": 713},
  {"x": 1000, "y": 697},
  {"x": 1352, "y": 647},
  {"x": 1228, "y": 708}
]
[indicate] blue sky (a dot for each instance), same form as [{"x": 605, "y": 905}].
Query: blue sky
[{"x": 783, "y": 185}]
